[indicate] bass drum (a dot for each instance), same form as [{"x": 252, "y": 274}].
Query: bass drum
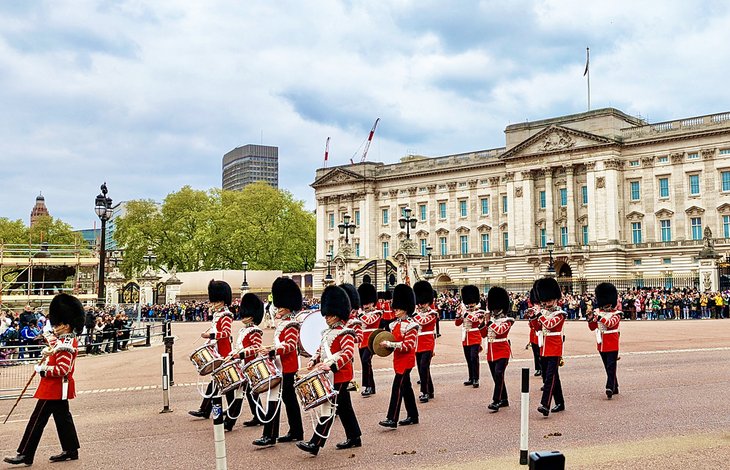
[{"x": 310, "y": 334}]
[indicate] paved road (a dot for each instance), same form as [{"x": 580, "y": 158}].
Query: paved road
[{"x": 672, "y": 411}]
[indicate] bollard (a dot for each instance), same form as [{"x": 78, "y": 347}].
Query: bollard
[
  {"x": 165, "y": 384},
  {"x": 148, "y": 340},
  {"x": 525, "y": 416},
  {"x": 219, "y": 435},
  {"x": 169, "y": 342}
]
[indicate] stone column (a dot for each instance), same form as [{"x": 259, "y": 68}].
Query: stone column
[
  {"x": 452, "y": 219},
  {"x": 592, "y": 201},
  {"x": 368, "y": 224},
  {"x": 528, "y": 208},
  {"x": 321, "y": 226},
  {"x": 549, "y": 209},
  {"x": 571, "y": 212},
  {"x": 612, "y": 197},
  {"x": 515, "y": 238}
]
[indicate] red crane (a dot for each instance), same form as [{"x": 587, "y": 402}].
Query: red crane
[{"x": 367, "y": 143}]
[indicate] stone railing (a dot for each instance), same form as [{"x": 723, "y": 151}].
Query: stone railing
[{"x": 721, "y": 119}]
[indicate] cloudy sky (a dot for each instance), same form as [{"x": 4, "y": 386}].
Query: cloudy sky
[{"x": 148, "y": 96}]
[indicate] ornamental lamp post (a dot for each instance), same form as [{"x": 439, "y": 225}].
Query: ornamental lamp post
[
  {"x": 149, "y": 257},
  {"x": 407, "y": 222},
  {"x": 429, "y": 272},
  {"x": 244, "y": 284},
  {"x": 328, "y": 277},
  {"x": 103, "y": 209},
  {"x": 551, "y": 264},
  {"x": 346, "y": 228}
]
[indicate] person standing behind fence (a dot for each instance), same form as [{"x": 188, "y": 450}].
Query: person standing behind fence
[
  {"x": 605, "y": 322},
  {"x": 57, "y": 385}
]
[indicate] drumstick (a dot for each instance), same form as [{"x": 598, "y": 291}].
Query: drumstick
[{"x": 200, "y": 337}]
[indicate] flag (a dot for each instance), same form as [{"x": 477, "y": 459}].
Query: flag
[{"x": 588, "y": 60}]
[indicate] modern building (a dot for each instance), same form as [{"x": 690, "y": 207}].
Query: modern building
[
  {"x": 39, "y": 210},
  {"x": 249, "y": 164},
  {"x": 618, "y": 197}
]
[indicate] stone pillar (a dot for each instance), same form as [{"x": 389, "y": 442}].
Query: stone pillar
[
  {"x": 612, "y": 197},
  {"x": 321, "y": 227},
  {"x": 709, "y": 278},
  {"x": 514, "y": 237},
  {"x": 172, "y": 288},
  {"x": 549, "y": 208},
  {"x": 591, "y": 209},
  {"x": 570, "y": 209},
  {"x": 368, "y": 225},
  {"x": 528, "y": 207}
]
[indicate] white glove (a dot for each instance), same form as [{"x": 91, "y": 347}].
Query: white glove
[
  {"x": 47, "y": 351},
  {"x": 39, "y": 368}
]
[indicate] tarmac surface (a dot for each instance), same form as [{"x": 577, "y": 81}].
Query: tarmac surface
[{"x": 672, "y": 412}]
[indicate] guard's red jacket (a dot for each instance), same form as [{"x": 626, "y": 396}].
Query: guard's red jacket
[
  {"x": 427, "y": 336},
  {"x": 60, "y": 367},
  {"x": 341, "y": 344},
  {"x": 286, "y": 339},
  {"x": 606, "y": 324},
  {"x": 470, "y": 326},
  {"x": 387, "y": 310},
  {"x": 498, "y": 346},
  {"x": 355, "y": 324},
  {"x": 534, "y": 324},
  {"x": 371, "y": 320},
  {"x": 250, "y": 339},
  {"x": 405, "y": 333},
  {"x": 221, "y": 331},
  {"x": 552, "y": 322}
]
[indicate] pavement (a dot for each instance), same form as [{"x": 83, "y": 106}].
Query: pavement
[{"x": 671, "y": 413}]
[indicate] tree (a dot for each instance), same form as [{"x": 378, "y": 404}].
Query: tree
[
  {"x": 13, "y": 231},
  {"x": 45, "y": 229}
]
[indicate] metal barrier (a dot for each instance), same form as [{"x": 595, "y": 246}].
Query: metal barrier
[{"x": 14, "y": 373}]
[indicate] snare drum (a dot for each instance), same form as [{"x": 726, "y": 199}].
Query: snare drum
[
  {"x": 314, "y": 390},
  {"x": 262, "y": 374},
  {"x": 229, "y": 376},
  {"x": 310, "y": 333},
  {"x": 206, "y": 359}
]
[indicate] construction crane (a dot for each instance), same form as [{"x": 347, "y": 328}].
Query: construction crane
[{"x": 367, "y": 143}]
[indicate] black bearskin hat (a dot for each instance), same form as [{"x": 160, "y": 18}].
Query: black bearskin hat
[
  {"x": 286, "y": 294},
  {"x": 367, "y": 293},
  {"x": 352, "y": 294},
  {"x": 251, "y": 306},
  {"x": 606, "y": 294},
  {"x": 533, "y": 297},
  {"x": 547, "y": 289},
  {"x": 67, "y": 309},
  {"x": 498, "y": 300},
  {"x": 470, "y": 295},
  {"x": 335, "y": 302},
  {"x": 219, "y": 291},
  {"x": 404, "y": 299},
  {"x": 424, "y": 292}
]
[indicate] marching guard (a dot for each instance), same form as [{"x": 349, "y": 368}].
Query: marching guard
[
  {"x": 370, "y": 317},
  {"x": 353, "y": 321},
  {"x": 336, "y": 355},
  {"x": 531, "y": 316},
  {"x": 605, "y": 322},
  {"x": 220, "y": 297},
  {"x": 405, "y": 333},
  {"x": 249, "y": 341},
  {"x": 470, "y": 317},
  {"x": 552, "y": 319},
  {"x": 498, "y": 345},
  {"x": 426, "y": 317},
  {"x": 57, "y": 385},
  {"x": 287, "y": 299}
]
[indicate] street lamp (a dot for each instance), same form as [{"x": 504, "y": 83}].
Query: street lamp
[
  {"x": 149, "y": 257},
  {"x": 429, "y": 272},
  {"x": 328, "y": 277},
  {"x": 115, "y": 259},
  {"x": 551, "y": 265},
  {"x": 407, "y": 222},
  {"x": 103, "y": 209},
  {"x": 346, "y": 228},
  {"x": 244, "y": 284}
]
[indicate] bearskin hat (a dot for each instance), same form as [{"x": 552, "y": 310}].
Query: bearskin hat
[
  {"x": 424, "y": 292},
  {"x": 286, "y": 294},
  {"x": 606, "y": 294},
  {"x": 404, "y": 299},
  {"x": 367, "y": 293},
  {"x": 470, "y": 295},
  {"x": 335, "y": 302},
  {"x": 352, "y": 294},
  {"x": 547, "y": 289},
  {"x": 533, "y": 297},
  {"x": 498, "y": 300},
  {"x": 219, "y": 291},
  {"x": 67, "y": 309},
  {"x": 251, "y": 306}
]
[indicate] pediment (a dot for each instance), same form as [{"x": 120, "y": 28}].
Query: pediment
[
  {"x": 724, "y": 208},
  {"x": 463, "y": 229},
  {"x": 484, "y": 228},
  {"x": 442, "y": 231},
  {"x": 422, "y": 233},
  {"x": 633, "y": 215},
  {"x": 384, "y": 237},
  {"x": 554, "y": 139},
  {"x": 337, "y": 176},
  {"x": 664, "y": 213},
  {"x": 694, "y": 211}
]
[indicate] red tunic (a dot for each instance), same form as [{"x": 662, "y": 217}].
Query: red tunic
[
  {"x": 498, "y": 346},
  {"x": 427, "y": 336},
  {"x": 250, "y": 339},
  {"x": 608, "y": 331},
  {"x": 60, "y": 365},
  {"x": 552, "y": 322},
  {"x": 534, "y": 324},
  {"x": 370, "y": 319},
  {"x": 387, "y": 311},
  {"x": 340, "y": 342},
  {"x": 405, "y": 334},
  {"x": 469, "y": 323},
  {"x": 286, "y": 339},
  {"x": 355, "y": 324},
  {"x": 221, "y": 331}
]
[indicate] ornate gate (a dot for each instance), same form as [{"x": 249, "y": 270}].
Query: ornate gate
[
  {"x": 723, "y": 272},
  {"x": 130, "y": 293}
]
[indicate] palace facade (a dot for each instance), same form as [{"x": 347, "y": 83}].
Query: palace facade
[{"x": 620, "y": 199}]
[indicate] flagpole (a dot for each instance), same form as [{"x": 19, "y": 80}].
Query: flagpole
[{"x": 588, "y": 74}]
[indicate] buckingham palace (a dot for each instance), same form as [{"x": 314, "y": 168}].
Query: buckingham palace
[{"x": 589, "y": 197}]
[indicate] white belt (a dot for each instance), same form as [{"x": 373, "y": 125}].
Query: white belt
[
  {"x": 473, "y": 329},
  {"x": 424, "y": 333},
  {"x": 497, "y": 340},
  {"x": 553, "y": 333},
  {"x": 367, "y": 330},
  {"x": 610, "y": 331}
]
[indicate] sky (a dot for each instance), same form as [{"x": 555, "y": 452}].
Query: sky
[{"x": 148, "y": 96}]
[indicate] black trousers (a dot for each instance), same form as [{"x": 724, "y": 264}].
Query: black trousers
[
  {"x": 609, "y": 363},
  {"x": 402, "y": 391},
  {"x": 293, "y": 413},
  {"x": 38, "y": 420},
  {"x": 207, "y": 404},
  {"x": 536, "y": 356},
  {"x": 423, "y": 360},
  {"x": 497, "y": 369},
  {"x": 366, "y": 358},
  {"x": 471, "y": 353},
  {"x": 235, "y": 409},
  {"x": 552, "y": 389},
  {"x": 346, "y": 414}
]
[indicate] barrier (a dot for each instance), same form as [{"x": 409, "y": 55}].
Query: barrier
[
  {"x": 165, "y": 384},
  {"x": 525, "y": 416}
]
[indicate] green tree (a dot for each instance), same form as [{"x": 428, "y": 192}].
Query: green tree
[
  {"x": 13, "y": 231},
  {"x": 45, "y": 229}
]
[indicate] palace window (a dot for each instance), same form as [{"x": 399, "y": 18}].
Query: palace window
[
  {"x": 484, "y": 202},
  {"x": 635, "y": 191},
  {"x": 663, "y": 187},
  {"x": 542, "y": 200},
  {"x": 442, "y": 210},
  {"x": 424, "y": 244},
  {"x": 505, "y": 240},
  {"x": 563, "y": 236},
  {"x": 585, "y": 235},
  {"x": 443, "y": 248},
  {"x": 726, "y": 226},
  {"x": 485, "y": 241},
  {"x": 696, "y": 224},
  {"x": 386, "y": 252},
  {"x": 634, "y": 163},
  {"x": 725, "y": 177},
  {"x": 385, "y": 217},
  {"x": 331, "y": 217},
  {"x": 357, "y": 218},
  {"x": 357, "y": 249},
  {"x": 504, "y": 204},
  {"x": 662, "y": 159},
  {"x": 464, "y": 243},
  {"x": 462, "y": 207},
  {"x": 636, "y": 236},
  {"x": 694, "y": 185},
  {"x": 693, "y": 156},
  {"x": 584, "y": 195},
  {"x": 422, "y": 209},
  {"x": 666, "y": 230},
  {"x": 543, "y": 238},
  {"x": 563, "y": 197},
  {"x": 637, "y": 262}
]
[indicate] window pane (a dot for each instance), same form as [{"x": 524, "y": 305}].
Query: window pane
[
  {"x": 385, "y": 216},
  {"x": 694, "y": 184},
  {"x": 442, "y": 245},
  {"x": 726, "y": 180},
  {"x": 505, "y": 240},
  {"x": 636, "y": 232},
  {"x": 385, "y": 250},
  {"x": 464, "y": 239},
  {"x": 584, "y": 194},
  {"x": 462, "y": 208},
  {"x": 543, "y": 239},
  {"x": 422, "y": 211},
  {"x": 563, "y": 197},
  {"x": 485, "y": 243},
  {"x": 504, "y": 204},
  {"x": 635, "y": 191},
  {"x": 726, "y": 225},
  {"x": 423, "y": 246},
  {"x": 663, "y": 187},
  {"x": 542, "y": 200},
  {"x": 585, "y": 235},
  {"x": 696, "y": 223},
  {"x": 485, "y": 206}
]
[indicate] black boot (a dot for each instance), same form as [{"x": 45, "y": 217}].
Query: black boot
[
  {"x": 558, "y": 408},
  {"x": 65, "y": 455},
  {"x": 18, "y": 459},
  {"x": 388, "y": 423},
  {"x": 350, "y": 443},
  {"x": 423, "y": 398},
  {"x": 199, "y": 414},
  {"x": 494, "y": 406},
  {"x": 264, "y": 441},
  {"x": 408, "y": 421},
  {"x": 308, "y": 447}
]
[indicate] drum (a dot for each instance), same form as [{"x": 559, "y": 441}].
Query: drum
[
  {"x": 229, "y": 376},
  {"x": 314, "y": 390},
  {"x": 262, "y": 374},
  {"x": 310, "y": 334},
  {"x": 206, "y": 359}
]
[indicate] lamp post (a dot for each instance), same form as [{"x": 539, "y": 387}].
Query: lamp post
[
  {"x": 115, "y": 259},
  {"x": 103, "y": 209},
  {"x": 149, "y": 257},
  {"x": 244, "y": 284},
  {"x": 407, "y": 222},
  {"x": 429, "y": 272},
  {"x": 551, "y": 264},
  {"x": 328, "y": 277},
  {"x": 346, "y": 228}
]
